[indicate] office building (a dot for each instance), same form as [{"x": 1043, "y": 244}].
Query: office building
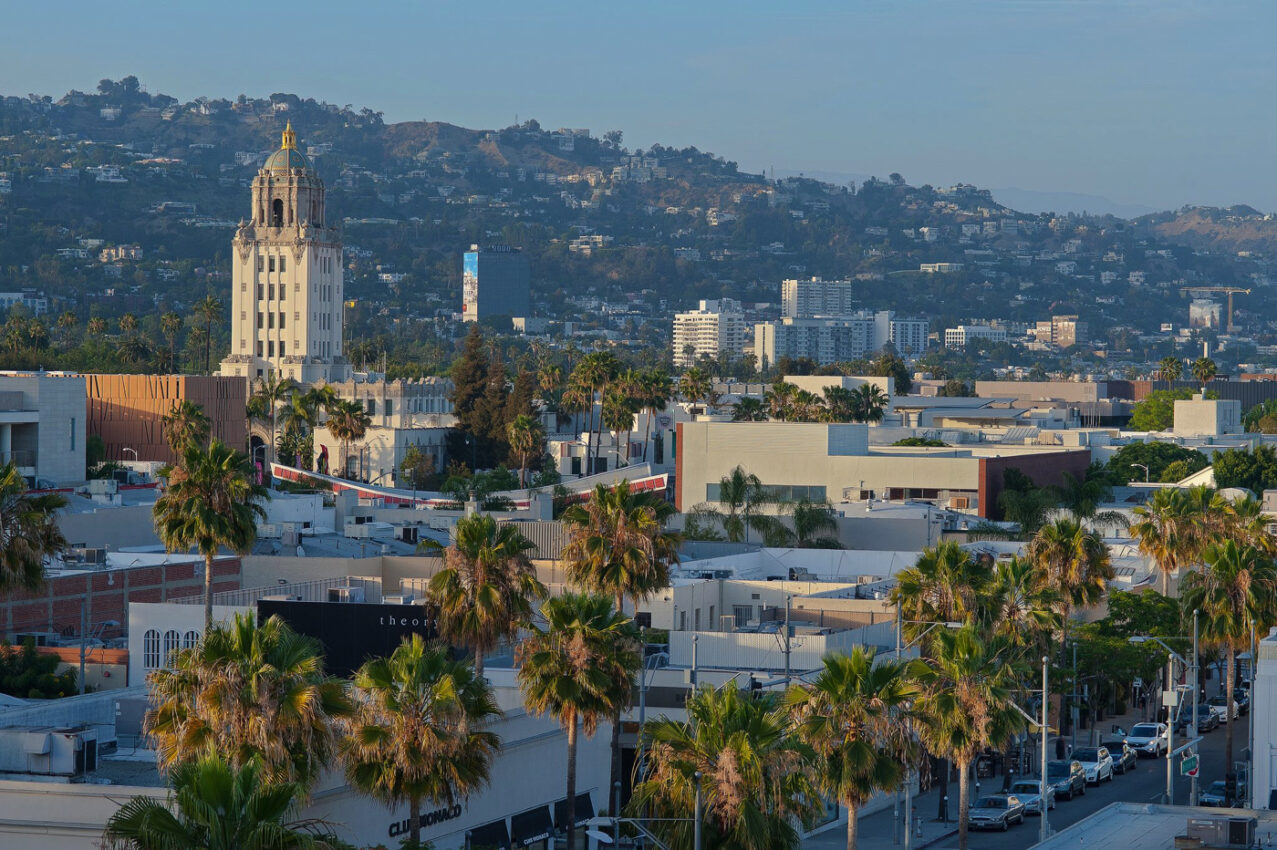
[
  {"x": 958, "y": 337},
  {"x": 804, "y": 299},
  {"x": 831, "y": 340},
  {"x": 286, "y": 278},
  {"x": 713, "y": 327},
  {"x": 495, "y": 281},
  {"x": 1062, "y": 331}
]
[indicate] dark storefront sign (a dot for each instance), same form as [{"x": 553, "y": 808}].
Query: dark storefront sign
[
  {"x": 490, "y": 836},
  {"x": 583, "y": 811},
  {"x": 352, "y": 632},
  {"x": 527, "y": 828}
]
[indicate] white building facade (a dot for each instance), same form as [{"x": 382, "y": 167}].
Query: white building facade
[{"x": 714, "y": 327}]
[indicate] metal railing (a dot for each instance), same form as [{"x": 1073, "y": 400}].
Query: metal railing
[{"x": 315, "y": 590}]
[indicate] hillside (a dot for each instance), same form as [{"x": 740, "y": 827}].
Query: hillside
[{"x": 1237, "y": 228}]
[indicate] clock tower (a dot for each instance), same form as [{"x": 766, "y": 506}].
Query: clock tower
[{"x": 286, "y": 278}]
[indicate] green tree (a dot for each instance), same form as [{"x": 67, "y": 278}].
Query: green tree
[
  {"x": 185, "y": 425},
  {"x": 347, "y": 422},
  {"x": 27, "y": 674},
  {"x": 749, "y": 410},
  {"x": 946, "y": 585},
  {"x": 1158, "y": 457},
  {"x": 485, "y": 588},
  {"x": 171, "y": 328},
  {"x": 1204, "y": 371},
  {"x": 742, "y": 496},
  {"x": 1235, "y": 593},
  {"x": 248, "y": 692},
  {"x": 527, "y": 442},
  {"x": 694, "y": 385},
  {"x": 755, "y": 781},
  {"x": 218, "y": 807},
  {"x": 208, "y": 311},
  {"x": 212, "y": 500},
  {"x": 579, "y": 669},
  {"x": 891, "y": 366},
  {"x": 418, "y": 733},
  {"x": 1018, "y": 606},
  {"x": 29, "y": 532},
  {"x": 274, "y": 391},
  {"x": 1074, "y": 564},
  {"x": 1255, "y": 471},
  {"x": 852, "y": 716},
  {"x": 1165, "y": 529},
  {"x": 1157, "y": 411},
  {"x": 1170, "y": 369},
  {"x": 966, "y": 704}
]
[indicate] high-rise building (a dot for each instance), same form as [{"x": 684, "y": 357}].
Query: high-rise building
[
  {"x": 805, "y": 299},
  {"x": 834, "y": 339},
  {"x": 957, "y": 338},
  {"x": 1063, "y": 331},
  {"x": 495, "y": 281},
  {"x": 286, "y": 278},
  {"x": 714, "y": 327}
]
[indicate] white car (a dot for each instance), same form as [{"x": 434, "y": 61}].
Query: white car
[
  {"x": 1030, "y": 794},
  {"x": 1148, "y": 739},
  {"x": 1218, "y": 704},
  {"x": 1096, "y": 763}
]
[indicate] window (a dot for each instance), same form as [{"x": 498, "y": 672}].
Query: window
[
  {"x": 281, "y": 263},
  {"x": 259, "y": 321},
  {"x": 243, "y": 286},
  {"x": 259, "y": 352},
  {"x": 260, "y": 262},
  {"x": 270, "y": 320},
  {"x": 372, "y": 407},
  {"x": 697, "y": 627},
  {"x": 172, "y": 643},
  {"x": 190, "y": 640},
  {"x": 682, "y": 621},
  {"x": 281, "y": 321},
  {"x": 271, "y": 267},
  {"x": 276, "y": 217},
  {"x": 270, "y": 348},
  {"x": 713, "y": 622},
  {"x": 297, "y": 344},
  {"x": 270, "y": 292},
  {"x": 742, "y": 613},
  {"x": 389, "y": 408},
  {"x": 243, "y": 343},
  {"x": 243, "y": 315},
  {"x": 297, "y": 317},
  {"x": 151, "y": 649},
  {"x": 261, "y": 290}
]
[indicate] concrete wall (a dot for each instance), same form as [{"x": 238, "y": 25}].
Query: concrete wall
[
  {"x": 747, "y": 651},
  {"x": 1198, "y": 417},
  {"x": 56, "y": 443},
  {"x": 126, "y": 526}
]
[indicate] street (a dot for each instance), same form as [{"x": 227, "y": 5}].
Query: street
[{"x": 1145, "y": 784}]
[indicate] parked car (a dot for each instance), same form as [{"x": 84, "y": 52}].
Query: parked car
[
  {"x": 1067, "y": 777},
  {"x": 1148, "y": 739},
  {"x": 996, "y": 811},
  {"x": 1242, "y": 698},
  {"x": 1124, "y": 756},
  {"x": 1029, "y": 792},
  {"x": 1096, "y": 763},
  {"x": 1207, "y": 719},
  {"x": 1218, "y": 704},
  {"x": 1215, "y": 795}
]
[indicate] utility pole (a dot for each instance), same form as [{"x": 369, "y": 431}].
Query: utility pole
[
  {"x": 1043, "y": 829},
  {"x": 895, "y": 817},
  {"x": 788, "y": 600},
  {"x": 1170, "y": 732},
  {"x": 1073, "y": 703},
  {"x": 696, "y": 827},
  {"x": 84, "y": 628},
  {"x": 1192, "y": 717}
]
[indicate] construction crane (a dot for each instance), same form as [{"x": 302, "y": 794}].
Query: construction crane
[{"x": 1231, "y": 290}]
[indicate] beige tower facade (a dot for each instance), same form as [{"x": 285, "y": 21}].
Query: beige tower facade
[{"x": 286, "y": 278}]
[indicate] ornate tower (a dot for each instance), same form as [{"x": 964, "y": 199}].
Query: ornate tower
[{"x": 286, "y": 286}]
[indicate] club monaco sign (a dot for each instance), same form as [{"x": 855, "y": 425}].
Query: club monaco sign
[{"x": 404, "y": 827}]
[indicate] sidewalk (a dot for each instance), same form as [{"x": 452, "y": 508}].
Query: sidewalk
[{"x": 876, "y": 830}]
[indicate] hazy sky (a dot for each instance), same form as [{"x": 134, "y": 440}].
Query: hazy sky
[{"x": 1156, "y": 102}]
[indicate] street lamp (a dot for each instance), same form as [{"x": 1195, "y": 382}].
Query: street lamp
[
  {"x": 1171, "y": 752},
  {"x": 127, "y": 449},
  {"x": 1143, "y": 467}
]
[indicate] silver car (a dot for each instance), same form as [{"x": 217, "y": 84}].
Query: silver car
[
  {"x": 1029, "y": 793},
  {"x": 1097, "y": 763},
  {"x": 996, "y": 811}
]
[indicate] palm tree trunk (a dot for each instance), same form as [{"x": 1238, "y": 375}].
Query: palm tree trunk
[
  {"x": 208, "y": 592},
  {"x": 414, "y": 819},
  {"x": 571, "y": 718},
  {"x": 647, "y": 431},
  {"x": 851, "y": 825},
  {"x": 478, "y": 663},
  {"x": 1166, "y": 583},
  {"x": 964, "y": 788},
  {"x": 1228, "y": 708},
  {"x": 616, "y": 738},
  {"x": 208, "y": 348},
  {"x": 589, "y": 435}
]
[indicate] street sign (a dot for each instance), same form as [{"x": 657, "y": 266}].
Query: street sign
[{"x": 1188, "y": 765}]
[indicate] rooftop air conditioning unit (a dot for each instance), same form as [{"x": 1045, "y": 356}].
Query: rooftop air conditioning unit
[
  {"x": 960, "y": 502},
  {"x": 1235, "y": 833},
  {"x": 345, "y": 594}
]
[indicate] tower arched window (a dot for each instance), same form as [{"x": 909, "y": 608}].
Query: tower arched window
[
  {"x": 172, "y": 643},
  {"x": 277, "y": 213},
  {"x": 190, "y": 640}
]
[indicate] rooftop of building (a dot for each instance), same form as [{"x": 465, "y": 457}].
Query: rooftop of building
[{"x": 1149, "y": 826}]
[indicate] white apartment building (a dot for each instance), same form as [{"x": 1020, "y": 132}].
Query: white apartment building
[
  {"x": 713, "y": 327},
  {"x": 959, "y": 337},
  {"x": 830, "y": 340},
  {"x": 804, "y": 299}
]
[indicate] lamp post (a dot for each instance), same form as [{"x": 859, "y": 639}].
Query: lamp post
[
  {"x": 1043, "y": 829},
  {"x": 1174, "y": 656},
  {"x": 127, "y": 449},
  {"x": 696, "y": 826},
  {"x": 1073, "y": 704},
  {"x": 1143, "y": 467}
]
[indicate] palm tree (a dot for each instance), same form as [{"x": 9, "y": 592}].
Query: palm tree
[
  {"x": 1235, "y": 593},
  {"x": 1204, "y": 371},
  {"x": 657, "y": 387},
  {"x": 219, "y": 807},
  {"x": 484, "y": 590},
  {"x": 212, "y": 501},
  {"x": 1164, "y": 529},
  {"x": 966, "y": 703},
  {"x": 1083, "y": 496},
  {"x": 185, "y": 425},
  {"x": 749, "y": 410},
  {"x": 853, "y": 715},
  {"x": 617, "y": 415},
  {"x": 579, "y": 669},
  {"x": 96, "y": 326},
  {"x": 66, "y": 323},
  {"x": 1170, "y": 368},
  {"x": 1018, "y": 606},
  {"x": 248, "y": 692},
  {"x": 29, "y": 532},
  {"x": 742, "y": 494},
  {"x": 418, "y": 733},
  {"x": 694, "y": 385},
  {"x": 1074, "y": 563},
  {"x": 273, "y": 390},
  {"x": 128, "y": 324},
  {"x": 347, "y": 422},
  {"x": 815, "y": 525},
  {"x": 619, "y": 547},
  {"x": 209, "y": 311},
  {"x": 869, "y": 403},
  {"x": 780, "y": 399},
  {"x": 527, "y": 441},
  {"x": 946, "y": 585},
  {"x": 754, "y": 777},
  {"x": 170, "y": 327}
]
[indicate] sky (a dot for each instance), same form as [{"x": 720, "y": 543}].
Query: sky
[{"x": 1156, "y": 103}]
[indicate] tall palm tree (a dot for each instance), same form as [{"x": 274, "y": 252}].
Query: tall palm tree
[
  {"x": 212, "y": 500},
  {"x": 869, "y": 403},
  {"x": 618, "y": 415},
  {"x": 1074, "y": 563},
  {"x": 66, "y": 323},
  {"x": 1204, "y": 371},
  {"x": 657, "y": 387},
  {"x": 347, "y": 422},
  {"x": 208, "y": 310},
  {"x": 742, "y": 496},
  {"x": 579, "y": 669},
  {"x": 128, "y": 324},
  {"x": 749, "y": 410},
  {"x": 779, "y": 399},
  {"x": 966, "y": 703},
  {"x": 694, "y": 385},
  {"x": 96, "y": 326},
  {"x": 755, "y": 782},
  {"x": 418, "y": 733},
  {"x": 1018, "y": 606},
  {"x": 273, "y": 391},
  {"x": 853, "y": 715},
  {"x": 1237, "y": 591},
  {"x": 1170, "y": 368},
  {"x": 218, "y": 807},
  {"x": 1082, "y": 497},
  {"x": 29, "y": 532},
  {"x": 248, "y": 692},
  {"x": 527, "y": 441},
  {"x": 1164, "y": 529},
  {"x": 485, "y": 589},
  {"x": 946, "y": 585},
  {"x": 171, "y": 327},
  {"x": 619, "y": 547},
  {"x": 815, "y": 525},
  {"x": 185, "y": 425}
]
